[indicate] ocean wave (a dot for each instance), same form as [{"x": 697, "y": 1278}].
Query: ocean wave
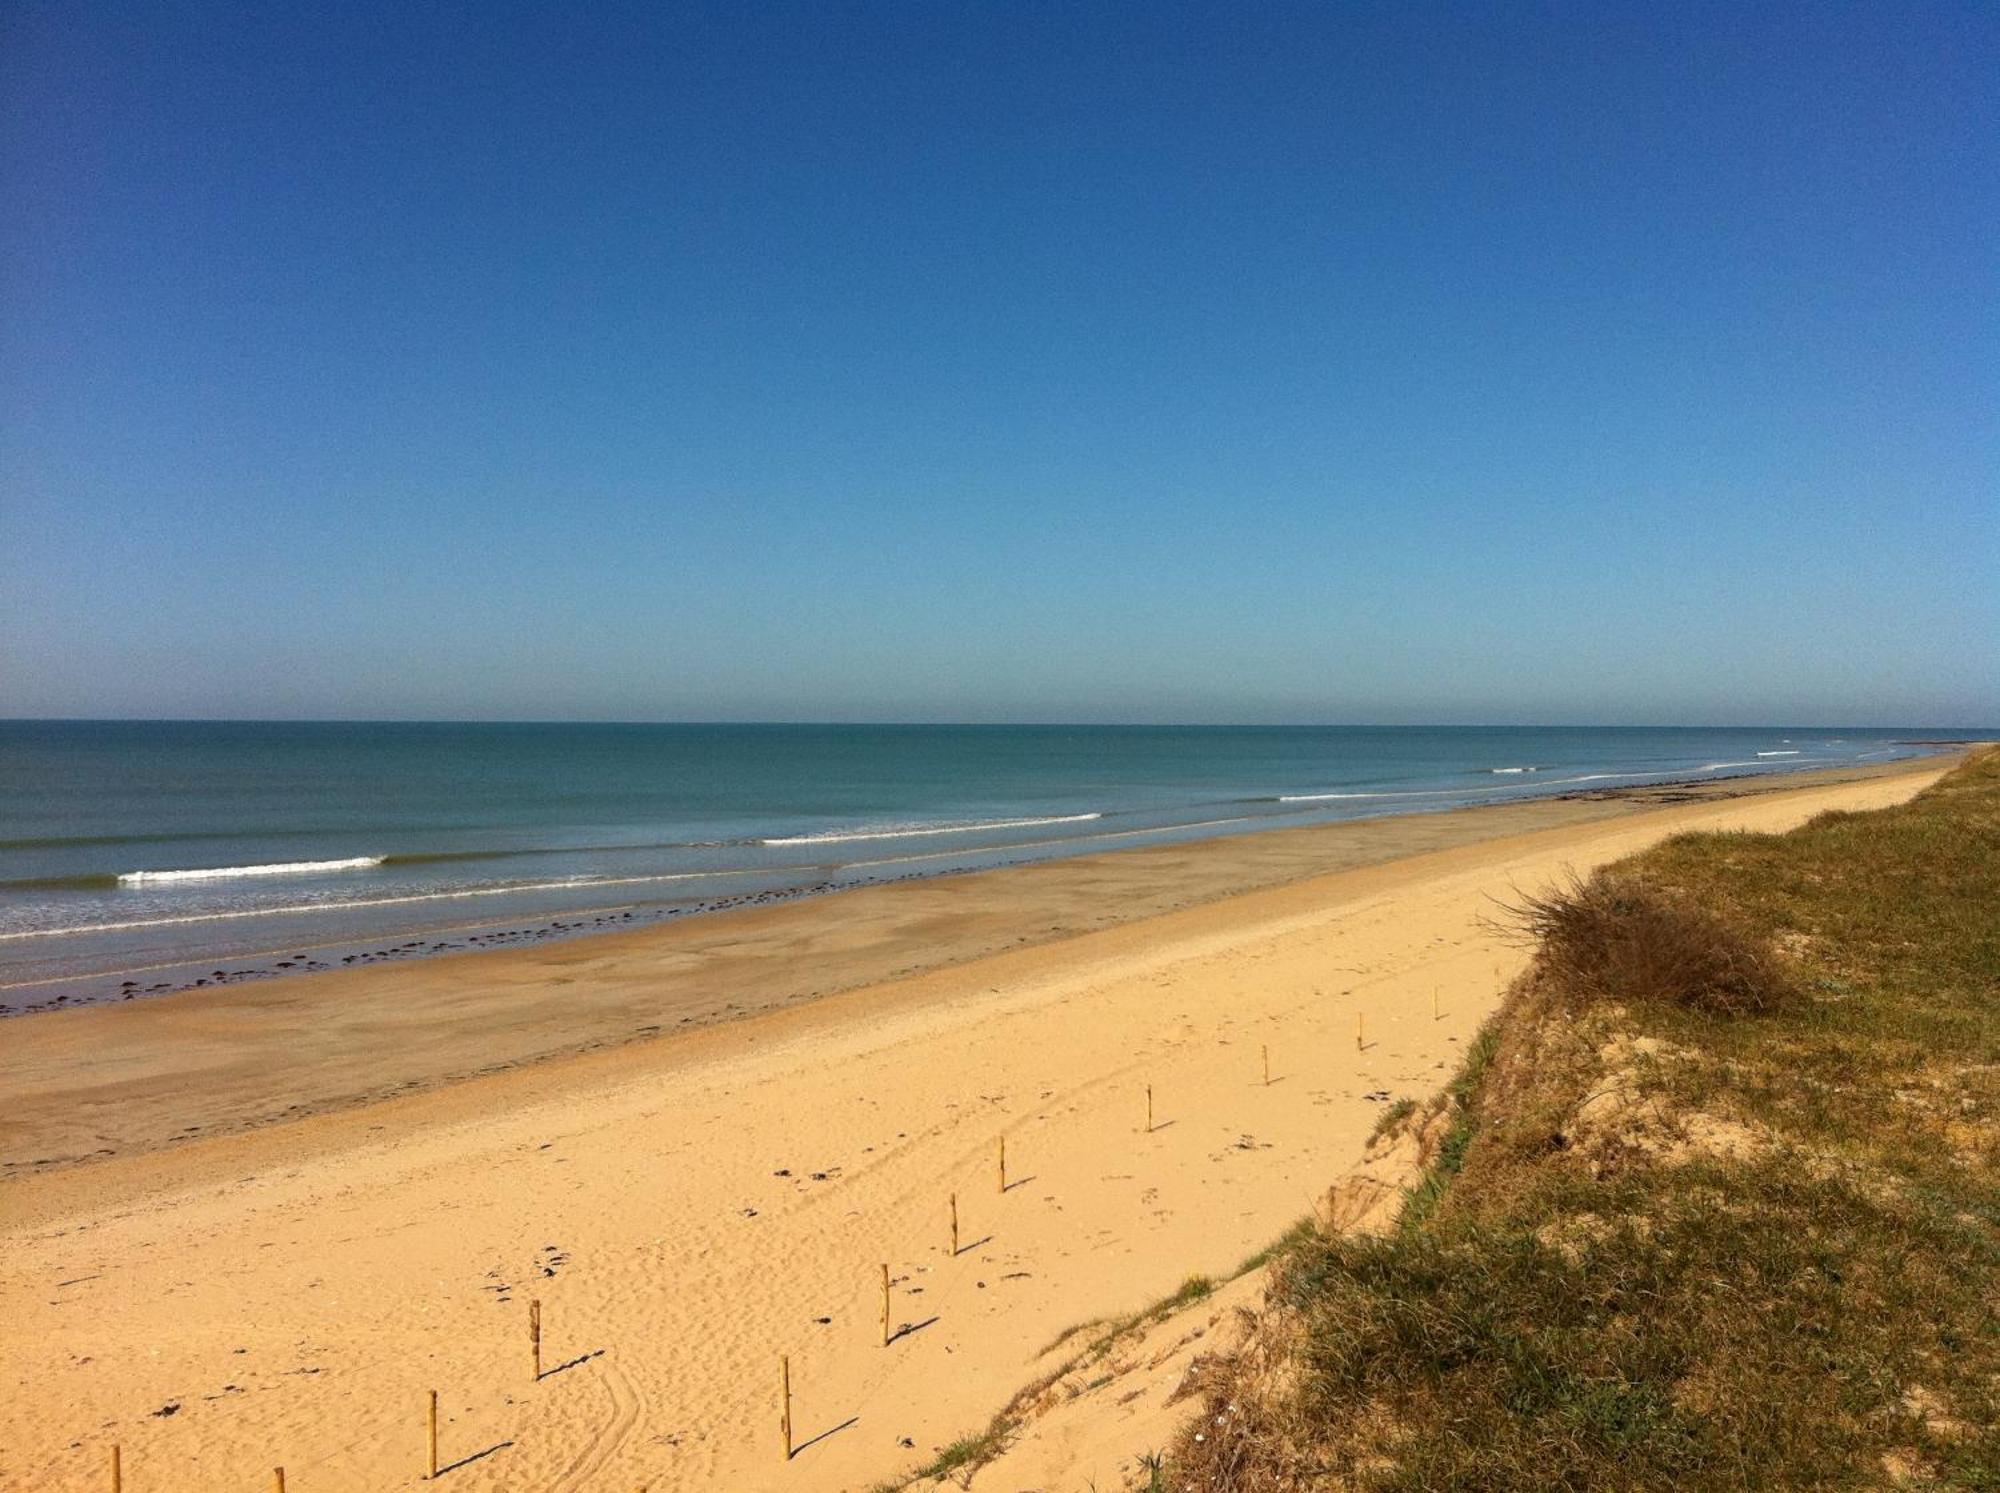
[
  {"x": 1513, "y": 769},
  {"x": 92, "y": 881},
  {"x": 1628, "y": 777},
  {"x": 910, "y": 832},
  {"x": 162, "y": 880},
  {"x": 1313, "y": 798},
  {"x": 1681, "y": 772},
  {"x": 1793, "y": 752},
  {"x": 520, "y": 852},
  {"x": 458, "y": 893},
  {"x": 1109, "y": 834},
  {"x": 232, "y": 873},
  {"x": 584, "y": 883},
  {"x": 1786, "y": 760}
]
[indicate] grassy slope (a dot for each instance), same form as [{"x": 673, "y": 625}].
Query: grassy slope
[{"x": 1677, "y": 1249}]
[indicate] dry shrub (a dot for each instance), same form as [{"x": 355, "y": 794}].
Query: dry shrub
[{"x": 1618, "y": 938}]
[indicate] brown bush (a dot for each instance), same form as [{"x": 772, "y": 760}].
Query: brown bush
[{"x": 1615, "y": 937}]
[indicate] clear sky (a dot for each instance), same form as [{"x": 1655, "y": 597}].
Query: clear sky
[{"x": 1264, "y": 362}]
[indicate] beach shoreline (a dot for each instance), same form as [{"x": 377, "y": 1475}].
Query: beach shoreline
[
  {"x": 688, "y": 1210},
  {"x": 303, "y": 848},
  {"x": 89, "y": 1082}
]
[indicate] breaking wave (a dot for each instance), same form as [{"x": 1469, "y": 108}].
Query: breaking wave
[
  {"x": 232, "y": 873},
  {"x": 907, "y": 832}
]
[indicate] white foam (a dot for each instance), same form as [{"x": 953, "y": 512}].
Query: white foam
[
  {"x": 231, "y": 873},
  {"x": 1511, "y": 769},
  {"x": 1626, "y": 777},
  {"x": 311, "y": 907},
  {"x": 1313, "y": 798},
  {"x": 1792, "y": 753},
  {"x": 835, "y": 837},
  {"x": 1110, "y": 834}
]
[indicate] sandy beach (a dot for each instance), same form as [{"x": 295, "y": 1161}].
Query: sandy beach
[{"x": 255, "y": 1227}]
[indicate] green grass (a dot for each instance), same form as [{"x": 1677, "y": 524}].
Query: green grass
[
  {"x": 1423, "y": 1198},
  {"x": 966, "y": 1454},
  {"x": 1719, "y": 1207},
  {"x": 1391, "y": 1117},
  {"x": 960, "y": 1460}
]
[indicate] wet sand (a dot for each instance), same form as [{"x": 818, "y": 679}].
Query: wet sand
[{"x": 689, "y": 1208}]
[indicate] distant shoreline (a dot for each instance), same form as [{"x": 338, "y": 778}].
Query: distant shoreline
[
  {"x": 354, "y": 1035},
  {"x": 303, "y": 954}
]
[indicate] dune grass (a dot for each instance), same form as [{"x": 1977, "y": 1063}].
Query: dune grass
[{"x": 1721, "y": 1209}]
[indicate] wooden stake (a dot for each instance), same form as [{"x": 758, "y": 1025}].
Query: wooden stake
[
  {"x": 117, "y": 1470},
  {"x": 954, "y": 1225},
  {"x": 277, "y": 1480},
  {"x": 785, "y": 1373},
  {"x": 433, "y": 1424},
  {"x": 1434, "y": 1003},
  {"x": 1149, "y": 1109},
  {"x": 1267, "y": 1065},
  {"x": 1003, "y": 1163},
  {"x": 1359, "y": 1045},
  {"x": 535, "y": 1336},
  {"x": 885, "y": 1306}
]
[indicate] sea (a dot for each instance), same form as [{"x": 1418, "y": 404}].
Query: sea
[{"x": 139, "y": 858}]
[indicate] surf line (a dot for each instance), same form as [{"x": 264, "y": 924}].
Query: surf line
[
  {"x": 231, "y": 873},
  {"x": 835, "y": 836}
]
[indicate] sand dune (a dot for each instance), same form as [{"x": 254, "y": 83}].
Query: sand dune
[{"x": 689, "y": 1209}]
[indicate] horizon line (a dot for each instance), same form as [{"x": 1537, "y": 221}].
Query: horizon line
[{"x": 230, "y": 720}]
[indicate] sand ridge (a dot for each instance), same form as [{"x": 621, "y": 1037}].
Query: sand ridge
[{"x": 687, "y": 1211}]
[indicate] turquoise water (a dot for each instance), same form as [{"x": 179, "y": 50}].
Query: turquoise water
[{"x": 137, "y": 857}]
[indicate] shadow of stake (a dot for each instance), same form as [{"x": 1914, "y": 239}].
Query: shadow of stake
[
  {"x": 909, "y": 1329},
  {"x": 573, "y": 1363},
  {"x": 964, "y": 1249},
  {"x": 852, "y": 1420},
  {"x": 498, "y": 1446}
]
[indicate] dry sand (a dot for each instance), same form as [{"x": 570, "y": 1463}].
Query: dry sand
[{"x": 689, "y": 1208}]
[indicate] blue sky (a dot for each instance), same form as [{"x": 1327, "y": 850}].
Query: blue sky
[{"x": 1571, "y": 363}]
